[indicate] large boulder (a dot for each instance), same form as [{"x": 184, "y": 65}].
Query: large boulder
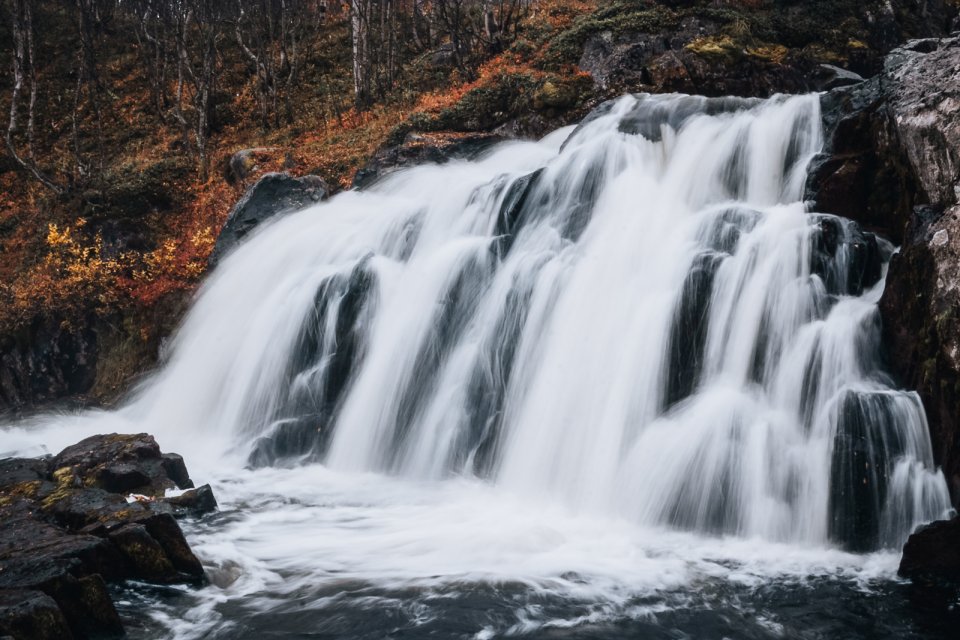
[
  {"x": 272, "y": 195},
  {"x": 69, "y": 525},
  {"x": 932, "y": 553}
]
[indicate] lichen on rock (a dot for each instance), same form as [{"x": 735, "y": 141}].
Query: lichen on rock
[{"x": 67, "y": 529}]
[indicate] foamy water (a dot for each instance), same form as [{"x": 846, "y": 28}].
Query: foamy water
[{"x": 614, "y": 375}]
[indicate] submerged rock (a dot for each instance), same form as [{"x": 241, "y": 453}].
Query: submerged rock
[
  {"x": 193, "y": 502},
  {"x": 67, "y": 528}
]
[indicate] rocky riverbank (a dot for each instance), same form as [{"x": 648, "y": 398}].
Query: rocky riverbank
[
  {"x": 94, "y": 514},
  {"x": 892, "y": 163}
]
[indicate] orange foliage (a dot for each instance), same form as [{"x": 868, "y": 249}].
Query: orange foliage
[{"x": 52, "y": 263}]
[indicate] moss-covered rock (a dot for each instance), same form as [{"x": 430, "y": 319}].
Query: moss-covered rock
[
  {"x": 755, "y": 50},
  {"x": 66, "y": 529},
  {"x": 32, "y": 614}
]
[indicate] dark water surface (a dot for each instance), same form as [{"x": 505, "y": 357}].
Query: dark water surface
[{"x": 817, "y": 608}]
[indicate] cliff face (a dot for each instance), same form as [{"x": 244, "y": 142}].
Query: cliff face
[
  {"x": 921, "y": 305},
  {"x": 893, "y": 164}
]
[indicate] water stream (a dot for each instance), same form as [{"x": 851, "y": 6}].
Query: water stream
[{"x": 619, "y": 382}]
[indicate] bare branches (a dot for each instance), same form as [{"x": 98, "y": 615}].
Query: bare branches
[
  {"x": 89, "y": 84},
  {"x": 469, "y": 31},
  {"x": 268, "y": 32},
  {"x": 185, "y": 46},
  {"x": 25, "y": 71}
]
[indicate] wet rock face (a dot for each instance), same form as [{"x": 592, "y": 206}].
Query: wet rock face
[
  {"x": 921, "y": 315},
  {"x": 272, "y": 195},
  {"x": 67, "y": 529},
  {"x": 892, "y": 163},
  {"x": 45, "y": 362},
  {"x": 923, "y": 92},
  {"x": 864, "y": 173},
  {"x": 891, "y": 142},
  {"x": 921, "y": 304},
  {"x": 932, "y": 554}
]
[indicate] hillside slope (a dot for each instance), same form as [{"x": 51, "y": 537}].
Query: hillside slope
[{"x": 94, "y": 278}]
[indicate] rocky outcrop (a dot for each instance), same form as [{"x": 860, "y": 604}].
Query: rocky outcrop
[
  {"x": 921, "y": 315},
  {"x": 786, "y": 47},
  {"x": 45, "y": 362},
  {"x": 69, "y": 526},
  {"x": 864, "y": 173},
  {"x": 892, "y": 163},
  {"x": 272, "y": 195},
  {"x": 422, "y": 148},
  {"x": 932, "y": 554},
  {"x": 692, "y": 58},
  {"x": 921, "y": 304}
]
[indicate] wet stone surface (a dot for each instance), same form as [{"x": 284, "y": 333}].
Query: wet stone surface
[{"x": 67, "y": 529}]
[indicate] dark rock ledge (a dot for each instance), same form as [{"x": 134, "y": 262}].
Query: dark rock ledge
[
  {"x": 932, "y": 554},
  {"x": 67, "y": 529}
]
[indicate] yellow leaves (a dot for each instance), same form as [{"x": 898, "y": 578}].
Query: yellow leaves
[
  {"x": 57, "y": 238},
  {"x": 76, "y": 275},
  {"x": 71, "y": 273},
  {"x": 203, "y": 239}
]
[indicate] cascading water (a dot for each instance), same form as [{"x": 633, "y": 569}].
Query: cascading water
[{"x": 637, "y": 321}]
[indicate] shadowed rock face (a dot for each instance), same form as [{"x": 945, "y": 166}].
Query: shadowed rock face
[
  {"x": 892, "y": 163},
  {"x": 66, "y": 529},
  {"x": 273, "y": 194},
  {"x": 921, "y": 314},
  {"x": 46, "y": 363},
  {"x": 932, "y": 554}
]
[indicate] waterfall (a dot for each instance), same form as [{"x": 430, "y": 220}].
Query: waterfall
[{"x": 637, "y": 317}]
